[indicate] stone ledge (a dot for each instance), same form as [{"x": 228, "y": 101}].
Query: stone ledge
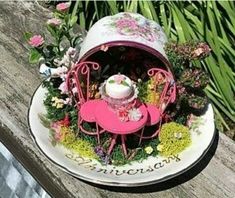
[{"x": 212, "y": 177}]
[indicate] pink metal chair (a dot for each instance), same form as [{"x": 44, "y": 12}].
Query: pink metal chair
[
  {"x": 78, "y": 83},
  {"x": 168, "y": 95}
]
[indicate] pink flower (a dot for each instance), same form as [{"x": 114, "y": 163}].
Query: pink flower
[
  {"x": 119, "y": 78},
  {"x": 63, "y": 88},
  {"x": 63, "y": 7},
  {"x": 36, "y": 41},
  {"x": 56, "y": 127},
  {"x": 54, "y": 22},
  {"x": 190, "y": 120},
  {"x": 127, "y": 23},
  {"x": 122, "y": 114}
]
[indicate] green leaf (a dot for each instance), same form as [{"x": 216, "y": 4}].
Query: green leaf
[
  {"x": 112, "y": 81},
  {"x": 144, "y": 7},
  {"x": 132, "y": 6},
  {"x": 75, "y": 9},
  {"x": 52, "y": 31},
  {"x": 34, "y": 56},
  {"x": 125, "y": 84},
  {"x": 73, "y": 20},
  {"x": 27, "y": 36},
  {"x": 112, "y": 6},
  {"x": 82, "y": 18}
]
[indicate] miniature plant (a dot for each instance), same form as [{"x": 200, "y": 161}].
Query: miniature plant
[
  {"x": 60, "y": 28},
  {"x": 190, "y": 80}
]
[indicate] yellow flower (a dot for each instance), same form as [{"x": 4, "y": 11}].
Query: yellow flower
[
  {"x": 58, "y": 103},
  {"x": 148, "y": 150},
  {"x": 54, "y": 98},
  {"x": 160, "y": 147}
]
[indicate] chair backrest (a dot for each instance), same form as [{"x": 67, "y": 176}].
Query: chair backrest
[
  {"x": 165, "y": 79},
  {"x": 78, "y": 80}
]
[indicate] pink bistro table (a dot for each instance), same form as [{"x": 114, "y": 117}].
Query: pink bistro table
[{"x": 108, "y": 120}]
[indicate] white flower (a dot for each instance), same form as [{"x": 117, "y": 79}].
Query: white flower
[
  {"x": 62, "y": 70},
  {"x": 56, "y": 61},
  {"x": 148, "y": 150},
  {"x": 134, "y": 114},
  {"x": 63, "y": 76},
  {"x": 71, "y": 52},
  {"x": 178, "y": 135},
  {"x": 68, "y": 58},
  {"x": 75, "y": 90},
  {"x": 67, "y": 101}
]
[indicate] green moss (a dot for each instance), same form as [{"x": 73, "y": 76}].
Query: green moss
[
  {"x": 82, "y": 147},
  {"x": 140, "y": 154},
  {"x": 174, "y": 138}
]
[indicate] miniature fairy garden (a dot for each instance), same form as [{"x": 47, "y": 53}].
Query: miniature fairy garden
[{"x": 122, "y": 75}]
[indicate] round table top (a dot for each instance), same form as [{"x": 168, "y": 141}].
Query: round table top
[{"x": 107, "y": 119}]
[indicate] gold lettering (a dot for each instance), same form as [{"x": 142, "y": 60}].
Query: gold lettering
[
  {"x": 121, "y": 173},
  {"x": 112, "y": 170},
  {"x": 149, "y": 169},
  {"x": 158, "y": 165},
  {"x": 91, "y": 166},
  {"x": 166, "y": 160},
  {"x": 78, "y": 159},
  {"x": 69, "y": 155},
  {"x": 132, "y": 171},
  {"x": 102, "y": 170},
  {"x": 85, "y": 161},
  {"x": 177, "y": 159}
]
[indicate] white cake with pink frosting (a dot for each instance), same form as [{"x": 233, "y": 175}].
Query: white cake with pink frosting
[{"x": 119, "y": 86}]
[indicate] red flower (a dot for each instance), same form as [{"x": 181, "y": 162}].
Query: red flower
[
  {"x": 123, "y": 114},
  {"x": 65, "y": 121}
]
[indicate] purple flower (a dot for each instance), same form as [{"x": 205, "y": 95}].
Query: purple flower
[
  {"x": 106, "y": 159},
  {"x": 100, "y": 151},
  {"x": 102, "y": 155}
]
